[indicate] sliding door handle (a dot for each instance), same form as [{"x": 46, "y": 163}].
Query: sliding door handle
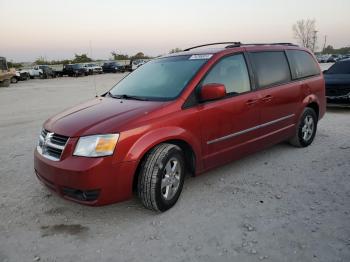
[{"x": 267, "y": 98}]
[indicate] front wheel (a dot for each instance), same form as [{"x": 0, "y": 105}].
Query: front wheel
[
  {"x": 5, "y": 83},
  {"x": 14, "y": 80},
  {"x": 306, "y": 129},
  {"x": 161, "y": 177}
]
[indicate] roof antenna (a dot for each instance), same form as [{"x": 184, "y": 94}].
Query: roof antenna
[{"x": 93, "y": 75}]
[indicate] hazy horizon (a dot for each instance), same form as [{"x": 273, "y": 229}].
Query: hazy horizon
[{"x": 58, "y": 29}]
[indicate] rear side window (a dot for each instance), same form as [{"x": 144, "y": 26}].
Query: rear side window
[
  {"x": 271, "y": 68},
  {"x": 302, "y": 64}
]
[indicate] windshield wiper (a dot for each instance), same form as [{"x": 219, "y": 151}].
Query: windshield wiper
[{"x": 127, "y": 97}]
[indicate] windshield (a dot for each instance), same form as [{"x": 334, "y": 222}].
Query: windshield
[
  {"x": 159, "y": 79},
  {"x": 342, "y": 67}
]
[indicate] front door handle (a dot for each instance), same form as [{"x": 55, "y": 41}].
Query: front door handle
[
  {"x": 267, "y": 98},
  {"x": 252, "y": 102}
]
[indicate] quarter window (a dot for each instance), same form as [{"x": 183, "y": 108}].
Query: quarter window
[
  {"x": 271, "y": 68},
  {"x": 302, "y": 64},
  {"x": 232, "y": 72}
]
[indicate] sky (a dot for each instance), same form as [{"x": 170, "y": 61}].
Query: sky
[{"x": 57, "y": 29}]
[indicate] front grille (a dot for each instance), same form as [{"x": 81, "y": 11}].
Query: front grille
[
  {"x": 51, "y": 145},
  {"x": 337, "y": 90}
]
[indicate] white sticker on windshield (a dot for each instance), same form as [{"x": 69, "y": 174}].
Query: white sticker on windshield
[{"x": 195, "y": 57}]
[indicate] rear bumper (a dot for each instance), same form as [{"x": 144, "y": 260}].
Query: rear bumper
[{"x": 89, "y": 181}]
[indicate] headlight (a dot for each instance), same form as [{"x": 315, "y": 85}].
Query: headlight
[{"x": 95, "y": 146}]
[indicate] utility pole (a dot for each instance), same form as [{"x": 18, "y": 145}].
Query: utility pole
[
  {"x": 324, "y": 43},
  {"x": 314, "y": 38}
]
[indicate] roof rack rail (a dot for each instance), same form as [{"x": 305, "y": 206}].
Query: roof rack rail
[
  {"x": 236, "y": 44},
  {"x": 243, "y": 44}
]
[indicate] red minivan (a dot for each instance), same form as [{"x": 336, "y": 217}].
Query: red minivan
[{"x": 181, "y": 113}]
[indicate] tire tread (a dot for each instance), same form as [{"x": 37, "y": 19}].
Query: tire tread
[{"x": 149, "y": 174}]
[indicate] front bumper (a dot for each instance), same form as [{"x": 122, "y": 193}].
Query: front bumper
[
  {"x": 89, "y": 181},
  {"x": 339, "y": 100}
]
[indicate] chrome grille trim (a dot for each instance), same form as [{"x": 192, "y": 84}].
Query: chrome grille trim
[{"x": 51, "y": 145}]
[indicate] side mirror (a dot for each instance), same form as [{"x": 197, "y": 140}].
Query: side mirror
[{"x": 213, "y": 91}]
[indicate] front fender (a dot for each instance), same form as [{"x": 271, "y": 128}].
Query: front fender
[{"x": 160, "y": 135}]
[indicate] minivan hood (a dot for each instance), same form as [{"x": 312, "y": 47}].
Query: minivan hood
[{"x": 99, "y": 116}]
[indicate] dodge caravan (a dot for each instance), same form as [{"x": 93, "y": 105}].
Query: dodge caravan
[{"x": 181, "y": 113}]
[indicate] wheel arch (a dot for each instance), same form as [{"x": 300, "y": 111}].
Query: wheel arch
[
  {"x": 315, "y": 107},
  {"x": 311, "y": 101},
  {"x": 183, "y": 140}
]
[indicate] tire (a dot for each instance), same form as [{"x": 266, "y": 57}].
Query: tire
[
  {"x": 14, "y": 80},
  {"x": 5, "y": 83},
  {"x": 306, "y": 129},
  {"x": 161, "y": 177}
]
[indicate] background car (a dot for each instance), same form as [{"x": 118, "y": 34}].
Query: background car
[
  {"x": 93, "y": 68},
  {"x": 74, "y": 70},
  {"x": 337, "y": 79},
  {"x": 33, "y": 72},
  {"x": 137, "y": 63},
  {"x": 333, "y": 59},
  {"x": 20, "y": 76},
  {"x": 113, "y": 67},
  {"x": 47, "y": 71}
]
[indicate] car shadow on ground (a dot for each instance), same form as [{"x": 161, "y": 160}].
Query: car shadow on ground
[{"x": 338, "y": 109}]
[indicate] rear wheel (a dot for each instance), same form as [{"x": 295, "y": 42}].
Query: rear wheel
[
  {"x": 14, "y": 80},
  {"x": 306, "y": 129},
  {"x": 161, "y": 177}
]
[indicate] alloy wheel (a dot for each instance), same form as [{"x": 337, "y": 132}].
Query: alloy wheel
[{"x": 171, "y": 178}]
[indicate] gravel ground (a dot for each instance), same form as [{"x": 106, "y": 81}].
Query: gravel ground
[{"x": 281, "y": 204}]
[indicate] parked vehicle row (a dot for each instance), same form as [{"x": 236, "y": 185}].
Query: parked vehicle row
[
  {"x": 73, "y": 70},
  {"x": 331, "y": 58}
]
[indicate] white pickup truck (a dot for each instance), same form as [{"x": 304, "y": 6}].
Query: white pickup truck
[
  {"x": 34, "y": 72},
  {"x": 93, "y": 68}
]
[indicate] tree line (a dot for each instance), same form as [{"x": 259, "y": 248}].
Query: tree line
[{"x": 84, "y": 58}]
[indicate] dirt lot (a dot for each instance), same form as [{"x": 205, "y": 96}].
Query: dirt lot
[{"x": 282, "y": 204}]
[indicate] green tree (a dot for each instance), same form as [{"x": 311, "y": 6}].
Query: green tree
[
  {"x": 41, "y": 61},
  {"x": 139, "y": 55},
  {"x": 117, "y": 56},
  {"x": 83, "y": 58},
  {"x": 13, "y": 64},
  {"x": 328, "y": 50}
]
